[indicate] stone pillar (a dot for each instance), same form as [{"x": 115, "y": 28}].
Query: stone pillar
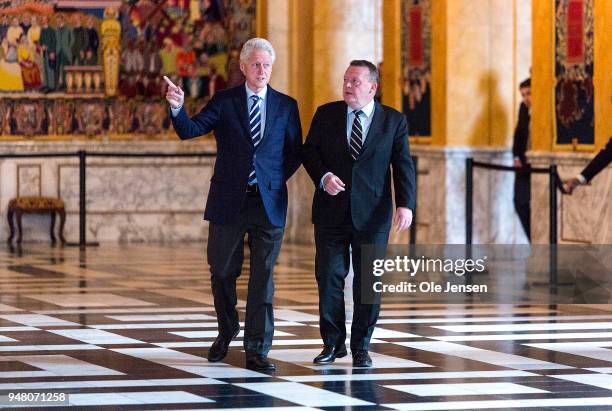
[
  {"x": 480, "y": 52},
  {"x": 315, "y": 40},
  {"x": 575, "y": 225}
]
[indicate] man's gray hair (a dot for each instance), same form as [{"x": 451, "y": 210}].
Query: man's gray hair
[{"x": 257, "y": 43}]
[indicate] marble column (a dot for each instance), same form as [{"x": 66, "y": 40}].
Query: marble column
[
  {"x": 315, "y": 41},
  {"x": 344, "y": 30}
]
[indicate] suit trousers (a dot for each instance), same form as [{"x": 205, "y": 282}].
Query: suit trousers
[
  {"x": 522, "y": 200},
  {"x": 225, "y": 256},
  {"x": 332, "y": 263}
]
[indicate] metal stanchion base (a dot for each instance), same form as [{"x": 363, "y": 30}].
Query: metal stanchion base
[{"x": 89, "y": 244}]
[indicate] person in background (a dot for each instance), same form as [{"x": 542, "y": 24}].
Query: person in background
[
  {"x": 598, "y": 163},
  {"x": 520, "y": 145}
]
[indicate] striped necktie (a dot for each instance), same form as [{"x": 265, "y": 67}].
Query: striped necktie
[
  {"x": 255, "y": 127},
  {"x": 356, "y": 135}
]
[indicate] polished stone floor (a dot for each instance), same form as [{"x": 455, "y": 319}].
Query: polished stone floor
[{"x": 128, "y": 327}]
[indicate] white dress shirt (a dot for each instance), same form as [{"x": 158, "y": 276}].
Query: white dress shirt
[{"x": 366, "y": 121}]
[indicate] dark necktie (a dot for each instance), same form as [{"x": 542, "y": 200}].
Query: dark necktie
[
  {"x": 255, "y": 127},
  {"x": 356, "y": 135}
]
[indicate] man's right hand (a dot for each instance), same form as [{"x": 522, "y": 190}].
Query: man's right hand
[
  {"x": 571, "y": 184},
  {"x": 174, "y": 95},
  {"x": 333, "y": 185}
]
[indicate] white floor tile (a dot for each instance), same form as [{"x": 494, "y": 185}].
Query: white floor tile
[
  {"x": 152, "y": 326},
  {"x": 165, "y": 397},
  {"x": 163, "y": 317},
  {"x": 492, "y": 319},
  {"x": 384, "y": 333},
  {"x": 100, "y": 398},
  {"x": 62, "y": 365},
  {"x": 603, "y": 370},
  {"x": 26, "y": 374},
  {"x": 596, "y": 380},
  {"x": 526, "y": 327},
  {"x": 478, "y": 354},
  {"x": 443, "y": 390},
  {"x": 8, "y": 308},
  {"x": 36, "y": 320},
  {"x": 517, "y": 337},
  {"x": 256, "y": 409},
  {"x": 213, "y": 334},
  {"x": 304, "y": 358},
  {"x": 139, "y": 326},
  {"x": 497, "y": 404},
  {"x": 92, "y": 336},
  {"x": 62, "y": 347},
  {"x": 589, "y": 349},
  {"x": 88, "y": 300},
  {"x": 440, "y": 375},
  {"x": 454, "y": 311},
  {"x": 303, "y": 394},
  {"x": 18, "y": 329},
  {"x": 237, "y": 343},
  {"x": 127, "y": 310},
  {"x": 6, "y": 339},
  {"x": 50, "y": 385},
  {"x": 292, "y": 315},
  {"x": 189, "y": 363}
]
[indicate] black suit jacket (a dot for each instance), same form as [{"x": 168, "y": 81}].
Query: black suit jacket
[
  {"x": 276, "y": 157},
  {"x": 368, "y": 179},
  {"x": 521, "y": 134},
  {"x": 599, "y": 162}
]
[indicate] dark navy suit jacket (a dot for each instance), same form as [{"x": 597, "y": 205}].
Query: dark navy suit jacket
[
  {"x": 276, "y": 157},
  {"x": 368, "y": 179},
  {"x": 599, "y": 162}
]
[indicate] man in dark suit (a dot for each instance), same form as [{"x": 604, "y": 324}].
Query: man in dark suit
[
  {"x": 598, "y": 163},
  {"x": 349, "y": 152},
  {"x": 258, "y": 135},
  {"x": 520, "y": 145}
]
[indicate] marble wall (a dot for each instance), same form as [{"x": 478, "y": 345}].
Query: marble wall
[
  {"x": 583, "y": 217},
  {"x": 128, "y": 199},
  {"x": 161, "y": 200},
  {"x": 441, "y": 197}
]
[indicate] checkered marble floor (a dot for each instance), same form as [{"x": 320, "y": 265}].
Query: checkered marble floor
[{"x": 129, "y": 327}]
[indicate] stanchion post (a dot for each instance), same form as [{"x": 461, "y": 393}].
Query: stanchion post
[
  {"x": 469, "y": 197},
  {"x": 552, "y": 190},
  {"x": 82, "y": 198}
]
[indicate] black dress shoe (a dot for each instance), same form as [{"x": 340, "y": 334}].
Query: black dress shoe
[
  {"x": 218, "y": 350},
  {"x": 330, "y": 353},
  {"x": 259, "y": 362},
  {"x": 361, "y": 358}
]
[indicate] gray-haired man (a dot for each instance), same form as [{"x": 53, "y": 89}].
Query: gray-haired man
[{"x": 259, "y": 137}]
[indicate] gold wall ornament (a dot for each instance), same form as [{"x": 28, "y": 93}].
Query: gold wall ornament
[
  {"x": 4, "y": 117},
  {"x": 90, "y": 117},
  {"x": 111, "y": 39},
  {"x": 64, "y": 113},
  {"x": 150, "y": 118},
  {"x": 29, "y": 117}
]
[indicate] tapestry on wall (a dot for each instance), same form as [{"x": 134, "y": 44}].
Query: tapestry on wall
[
  {"x": 95, "y": 67},
  {"x": 574, "y": 91},
  {"x": 416, "y": 65}
]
